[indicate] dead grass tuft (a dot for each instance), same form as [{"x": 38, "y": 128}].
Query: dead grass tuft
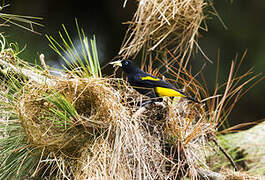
[
  {"x": 164, "y": 23},
  {"x": 140, "y": 146}
]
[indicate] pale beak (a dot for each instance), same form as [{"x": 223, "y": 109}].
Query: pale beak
[{"x": 116, "y": 63}]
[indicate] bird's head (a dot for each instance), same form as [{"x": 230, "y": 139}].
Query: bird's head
[{"x": 127, "y": 65}]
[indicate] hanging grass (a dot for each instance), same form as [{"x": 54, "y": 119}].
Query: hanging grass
[{"x": 162, "y": 24}]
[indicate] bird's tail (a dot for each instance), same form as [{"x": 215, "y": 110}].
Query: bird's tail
[{"x": 192, "y": 99}]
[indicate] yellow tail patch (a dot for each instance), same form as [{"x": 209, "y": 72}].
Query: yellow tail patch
[
  {"x": 162, "y": 91},
  {"x": 150, "y": 78}
]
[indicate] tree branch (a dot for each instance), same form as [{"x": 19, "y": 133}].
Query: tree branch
[{"x": 32, "y": 75}]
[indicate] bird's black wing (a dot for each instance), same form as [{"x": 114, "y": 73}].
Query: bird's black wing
[
  {"x": 145, "y": 83},
  {"x": 150, "y": 81},
  {"x": 161, "y": 87}
]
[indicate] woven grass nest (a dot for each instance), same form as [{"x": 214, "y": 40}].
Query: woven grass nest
[
  {"x": 110, "y": 135},
  {"x": 160, "y": 24},
  {"x": 95, "y": 105}
]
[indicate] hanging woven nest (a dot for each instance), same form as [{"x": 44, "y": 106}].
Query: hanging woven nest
[{"x": 164, "y": 24}]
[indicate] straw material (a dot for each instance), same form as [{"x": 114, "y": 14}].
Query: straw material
[
  {"x": 95, "y": 104},
  {"x": 112, "y": 137},
  {"x": 160, "y": 24}
]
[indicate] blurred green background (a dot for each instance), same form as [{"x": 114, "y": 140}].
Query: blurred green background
[{"x": 104, "y": 18}]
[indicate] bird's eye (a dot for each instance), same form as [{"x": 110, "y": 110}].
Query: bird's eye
[{"x": 126, "y": 63}]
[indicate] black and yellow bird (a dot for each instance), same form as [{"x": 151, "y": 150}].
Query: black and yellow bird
[{"x": 147, "y": 84}]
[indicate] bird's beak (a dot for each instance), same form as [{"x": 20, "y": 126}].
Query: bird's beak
[{"x": 116, "y": 63}]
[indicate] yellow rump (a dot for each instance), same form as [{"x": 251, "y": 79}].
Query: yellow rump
[{"x": 162, "y": 91}]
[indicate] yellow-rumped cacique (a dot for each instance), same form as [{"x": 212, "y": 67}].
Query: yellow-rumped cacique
[{"x": 147, "y": 84}]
